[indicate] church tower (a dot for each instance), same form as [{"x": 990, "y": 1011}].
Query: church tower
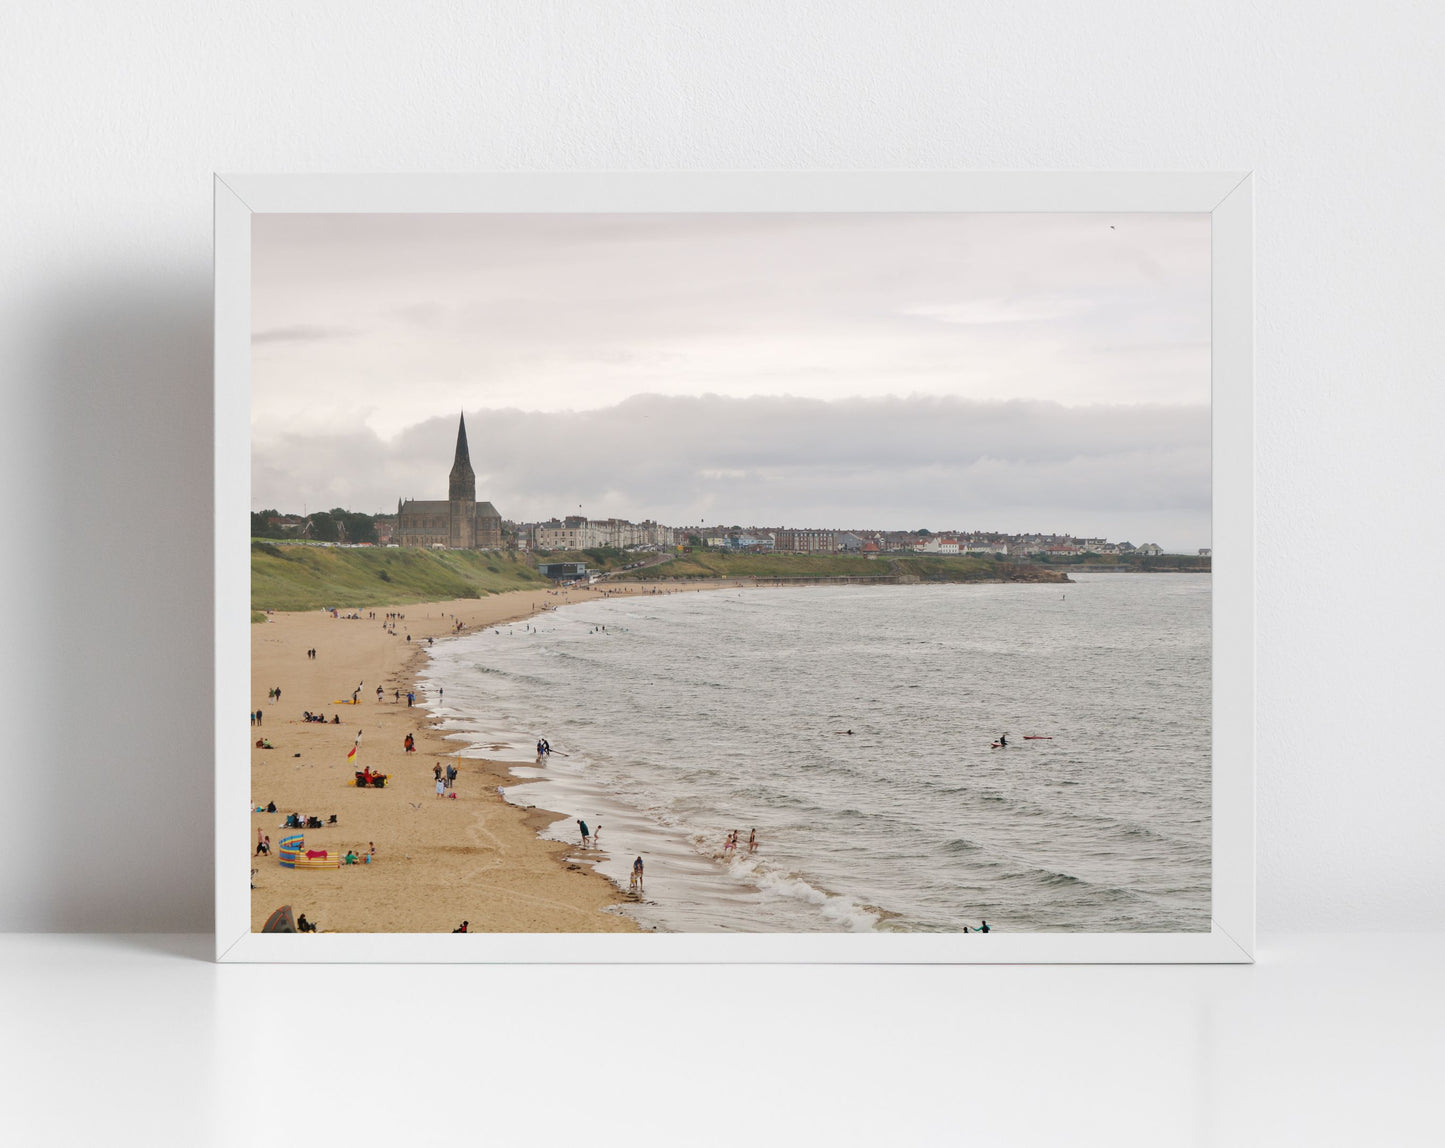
[{"x": 462, "y": 495}]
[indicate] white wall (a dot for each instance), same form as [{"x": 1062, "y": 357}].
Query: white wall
[{"x": 112, "y": 118}]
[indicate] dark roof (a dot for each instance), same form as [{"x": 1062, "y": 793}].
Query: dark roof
[{"x": 487, "y": 509}]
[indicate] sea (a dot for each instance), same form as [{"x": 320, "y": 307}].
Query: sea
[{"x": 852, "y": 730}]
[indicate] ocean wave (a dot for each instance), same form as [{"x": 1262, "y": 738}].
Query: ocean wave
[{"x": 837, "y": 908}]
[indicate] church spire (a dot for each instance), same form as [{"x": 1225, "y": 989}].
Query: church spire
[
  {"x": 462, "y": 486},
  {"x": 463, "y": 458}
]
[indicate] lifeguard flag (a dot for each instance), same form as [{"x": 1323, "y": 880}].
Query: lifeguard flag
[{"x": 351, "y": 754}]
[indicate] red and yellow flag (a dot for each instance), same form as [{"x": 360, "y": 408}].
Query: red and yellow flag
[{"x": 352, "y": 754}]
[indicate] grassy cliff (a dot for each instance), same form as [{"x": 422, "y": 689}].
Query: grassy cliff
[
  {"x": 309, "y": 577},
  {"x": 925, "y": 568}
]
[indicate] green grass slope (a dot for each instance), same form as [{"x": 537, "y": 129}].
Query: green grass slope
[
  {"x": 926, "y": 568},
  {"x": 309, "y": 577}
]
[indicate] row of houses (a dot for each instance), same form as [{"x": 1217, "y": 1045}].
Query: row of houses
[
  {"x": 578, "y": 533},
  {"x": 788, "y": 540}
]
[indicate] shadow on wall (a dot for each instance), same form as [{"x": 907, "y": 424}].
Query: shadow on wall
[{"x": 122, "y": 708}]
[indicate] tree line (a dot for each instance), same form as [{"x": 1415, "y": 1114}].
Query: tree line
[{"x": 334, "y": 525}]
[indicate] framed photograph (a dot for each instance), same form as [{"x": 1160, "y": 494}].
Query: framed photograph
[{"x": 734, "y": 567}]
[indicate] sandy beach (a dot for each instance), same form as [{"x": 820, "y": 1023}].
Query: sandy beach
[{"x": 438, "y": 861}]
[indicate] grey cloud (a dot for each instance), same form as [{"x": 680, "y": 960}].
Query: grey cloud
[
  {"x": 1141, "y": 472},
  {"x": 300, "y": 334}
]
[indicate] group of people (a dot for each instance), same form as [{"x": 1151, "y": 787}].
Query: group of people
[
  {"x": 590, "y": 839},
  {"x": 274, "y": 695},
  {"x": 307, "y": 715},
  {"x": 730, "y": 845},
  {"x": 311, "y": 654},
  {"x": 544, "y": 747},
  {"x": 445, "y": 778},
  {"x": 305, "y": 821}
]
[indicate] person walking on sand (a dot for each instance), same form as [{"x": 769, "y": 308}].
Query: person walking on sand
[
  {"x": 441, "y": 788},
  {"x": 258, "y": 716},
  {"x": 437, "y": 771},
  {"x": 378, "y": 695},
  {"x": 409, "y": 744}
]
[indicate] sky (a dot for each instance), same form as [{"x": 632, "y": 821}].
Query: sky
[{"x": 993, "y": 372}]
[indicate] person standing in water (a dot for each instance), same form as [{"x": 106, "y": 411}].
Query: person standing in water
[
  {"x": 636, "y": 882},
  {"x": 586, "y": 836},
  {"x": 752, "y": 841}
]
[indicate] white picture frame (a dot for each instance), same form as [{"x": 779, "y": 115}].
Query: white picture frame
[{"x": 1226, "y": 196}]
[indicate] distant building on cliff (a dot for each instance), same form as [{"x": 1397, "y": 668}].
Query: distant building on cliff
[{"x": 459, "y": 522}]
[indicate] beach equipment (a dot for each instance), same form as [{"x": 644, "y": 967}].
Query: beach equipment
[
  {"x": 293, "y": 855},
  {"x": 281, "y": 921}
]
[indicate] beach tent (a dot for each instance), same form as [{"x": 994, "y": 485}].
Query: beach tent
[{"x": 281, "y": 921}]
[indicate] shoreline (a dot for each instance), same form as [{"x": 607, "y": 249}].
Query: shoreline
[
  {"x": 479, "y": 858},
  {"x": 438, "y": 862}
]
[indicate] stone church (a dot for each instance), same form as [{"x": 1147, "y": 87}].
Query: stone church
[{"x": 458, "y": 523}]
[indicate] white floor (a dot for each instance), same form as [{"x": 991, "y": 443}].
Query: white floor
[{"x": 108, "y": 1040}]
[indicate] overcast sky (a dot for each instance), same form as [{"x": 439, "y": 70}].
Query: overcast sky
[{"x": 1024, "y": 372}]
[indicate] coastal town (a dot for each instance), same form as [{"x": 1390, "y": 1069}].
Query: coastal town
[{"x": 577, "y": 533}]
